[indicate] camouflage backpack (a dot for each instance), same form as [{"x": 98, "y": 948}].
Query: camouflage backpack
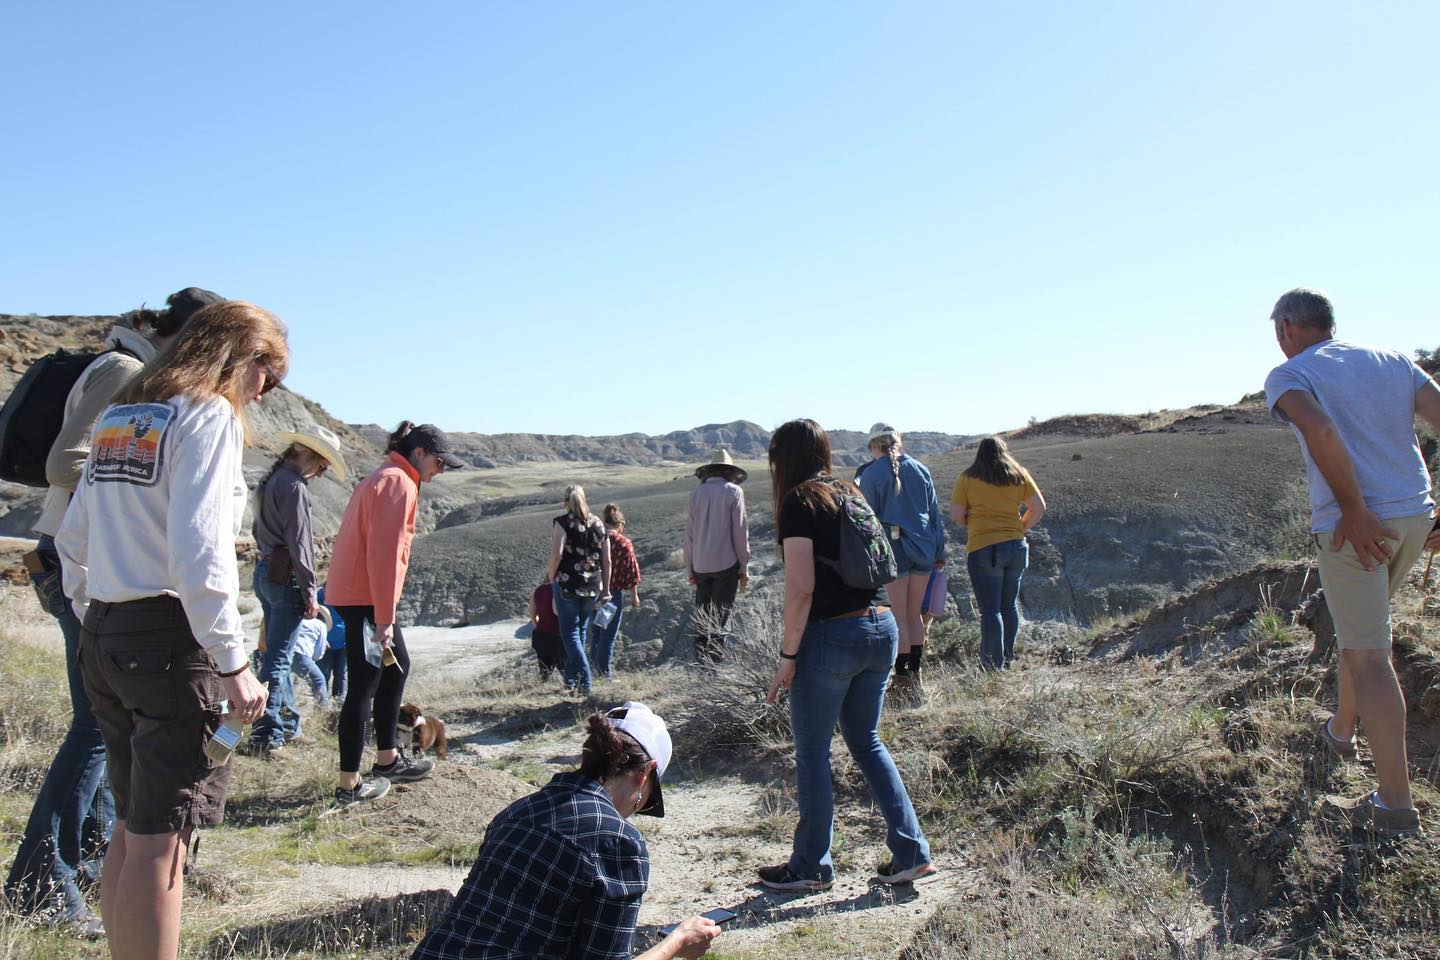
[{"x": 865, "y": 561}]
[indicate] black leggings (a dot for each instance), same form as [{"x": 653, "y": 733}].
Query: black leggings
[{"x": 370, "y": 691}]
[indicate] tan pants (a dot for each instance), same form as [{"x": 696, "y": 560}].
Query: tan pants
[{"x": 1359, "y": 599}]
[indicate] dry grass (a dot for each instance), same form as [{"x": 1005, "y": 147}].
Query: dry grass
[{"x": 1160, "y": 805}]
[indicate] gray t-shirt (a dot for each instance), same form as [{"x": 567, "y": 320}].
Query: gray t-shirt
[{"x": 1369, "y": 394}]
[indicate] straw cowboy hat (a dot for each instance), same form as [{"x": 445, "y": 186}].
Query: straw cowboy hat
[
  {"x": 323, "y": 615},
  {"x": 323, "y": 442},
  {"x": 721, "y": 465}
]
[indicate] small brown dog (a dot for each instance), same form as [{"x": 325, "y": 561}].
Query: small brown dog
[{"x": 426, "y": 733}]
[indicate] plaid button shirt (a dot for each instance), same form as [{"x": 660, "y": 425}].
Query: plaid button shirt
[{"x": 560, "y": 876}]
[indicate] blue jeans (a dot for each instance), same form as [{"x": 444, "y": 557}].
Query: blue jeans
[
  {"x": 574, "y": 613},
  {"x": 995, "y": 574},
  {"x": 602, "y": 640},
  {"x": 283, "y": 607},
  {"x": 332, "y": 666},
  {"x": 69, "y": 826},
  {"x": 310, "y": 670},
  {"x": 840, "y": 675}
]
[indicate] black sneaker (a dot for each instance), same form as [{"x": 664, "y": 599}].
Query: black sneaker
[
  {"x": 781, "y": 877},
  {"x": 404, "y": 770},
  {"x": 888, "y": 874},
  {"x": 369, "y": 788}
]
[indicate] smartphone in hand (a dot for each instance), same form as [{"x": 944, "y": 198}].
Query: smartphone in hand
[{"x": 719, "y": 915}]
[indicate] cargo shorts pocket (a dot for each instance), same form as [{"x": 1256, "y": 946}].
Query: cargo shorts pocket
[{"x": 142, "y": 678}]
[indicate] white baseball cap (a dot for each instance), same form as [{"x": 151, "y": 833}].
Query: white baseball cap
[{"x": 648, "y": 730}]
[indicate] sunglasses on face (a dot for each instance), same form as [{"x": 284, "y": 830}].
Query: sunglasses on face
[{"x": 272, "y": 379}]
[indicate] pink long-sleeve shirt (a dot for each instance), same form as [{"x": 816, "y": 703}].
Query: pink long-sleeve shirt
[{"x": 716, "y": 533}]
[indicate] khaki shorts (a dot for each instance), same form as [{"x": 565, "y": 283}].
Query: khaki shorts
[
  {"x": 1359, "y": 599},
  {"x": 156, "y": 696}
]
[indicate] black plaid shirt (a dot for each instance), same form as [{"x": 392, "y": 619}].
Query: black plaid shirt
[{"x": 560, "y": 876}]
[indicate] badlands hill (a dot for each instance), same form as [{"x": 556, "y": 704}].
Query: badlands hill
[
  {"x": 1141, "y": 507},
  {"x": 1135, "y": 517},
  {"x": 745, "y": 440}
]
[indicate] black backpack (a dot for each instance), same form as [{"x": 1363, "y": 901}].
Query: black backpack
[
  {"x": 866, "y": 561},
  {"x": 32, "y": 416}
]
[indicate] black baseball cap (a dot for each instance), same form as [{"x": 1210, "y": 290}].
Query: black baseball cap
[
  {"x": 433, "y": 439},
  {"x": 184, "y": 304}
]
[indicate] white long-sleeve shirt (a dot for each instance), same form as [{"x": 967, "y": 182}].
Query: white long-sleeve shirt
[{"x": 157, "y": 511}]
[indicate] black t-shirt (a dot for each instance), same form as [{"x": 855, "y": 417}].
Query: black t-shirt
[{"x": 832, "y": 597}]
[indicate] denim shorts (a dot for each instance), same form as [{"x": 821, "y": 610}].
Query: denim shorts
[{"x": 907, "y": 565}]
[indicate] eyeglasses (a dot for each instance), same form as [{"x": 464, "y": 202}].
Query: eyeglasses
[{"x": 272, "y": 379}]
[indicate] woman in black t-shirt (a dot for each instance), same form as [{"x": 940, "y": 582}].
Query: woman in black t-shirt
[{"x": 836, "y": 655}]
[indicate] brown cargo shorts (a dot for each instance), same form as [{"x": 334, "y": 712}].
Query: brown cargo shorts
[{"x": 156, "y": 695}]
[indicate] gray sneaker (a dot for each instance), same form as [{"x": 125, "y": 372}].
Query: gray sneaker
[
  {"x": 369, "y": 788},
  {"x": 1361, "y": 813},
  {"x": 1344, "y": 749},
  {"x": 404, "y": 770}
]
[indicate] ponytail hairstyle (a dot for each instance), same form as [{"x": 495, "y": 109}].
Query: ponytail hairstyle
[
  {"x": 400, "y": 441},
  {"x": 994, "y": 464},
  {"x": 613, "y": 516},
  {"x": 609, "y": 752},
  {"x": 575, "y": 503},
  {"x": 212, "y": 355}
]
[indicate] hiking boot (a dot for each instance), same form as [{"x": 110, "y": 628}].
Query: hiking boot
[
  {"x": 1361, "y": 813},
  {"x": 369, "y": 788},
  {"x": 781, "y": 877},
  {"x": 889, "y": 874},
  {"x": 404, "y": 770},
  {"x": 1344, "y": 749}
]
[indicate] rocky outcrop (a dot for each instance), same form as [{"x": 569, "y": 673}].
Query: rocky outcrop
[{"x": 24, "y": 338}]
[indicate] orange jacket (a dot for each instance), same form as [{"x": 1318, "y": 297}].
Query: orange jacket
[{"x": 372, "y": 549}]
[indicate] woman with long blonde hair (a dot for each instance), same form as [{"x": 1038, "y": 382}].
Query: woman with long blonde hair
[
  {"x": 580, "y": 571},
  {"x": 997, "y": 502},
  {"x": 148, "y": 551}
]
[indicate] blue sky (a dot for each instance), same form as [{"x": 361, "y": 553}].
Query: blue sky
[{"x": 602, "y": 218}]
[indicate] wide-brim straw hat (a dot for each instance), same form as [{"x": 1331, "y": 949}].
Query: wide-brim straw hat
[
  {"x": 721, "y": 465},
  {"x": 323, "y": 615},
  {"x": 323, "y": 441}
]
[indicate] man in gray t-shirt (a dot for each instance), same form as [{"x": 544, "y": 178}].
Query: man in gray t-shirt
[{"x": 1353, "y": 409}]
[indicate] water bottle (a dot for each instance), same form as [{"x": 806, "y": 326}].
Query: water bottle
[
  {"x": 226, "y": 738},
  {"x": 604, "y": 615}
]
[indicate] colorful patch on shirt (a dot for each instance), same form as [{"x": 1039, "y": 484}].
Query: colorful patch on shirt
[{"x": 129, "y": 444}]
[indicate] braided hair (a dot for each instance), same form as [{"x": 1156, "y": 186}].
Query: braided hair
[{"x": 890, "y": 446}]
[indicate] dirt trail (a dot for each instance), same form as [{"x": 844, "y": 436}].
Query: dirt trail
[
  {"x": 705, "y": 852},
  {"x": 457, "y": 652}
]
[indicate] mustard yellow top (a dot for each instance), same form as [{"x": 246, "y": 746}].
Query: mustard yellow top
[{"x": 992, "y": 513}]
